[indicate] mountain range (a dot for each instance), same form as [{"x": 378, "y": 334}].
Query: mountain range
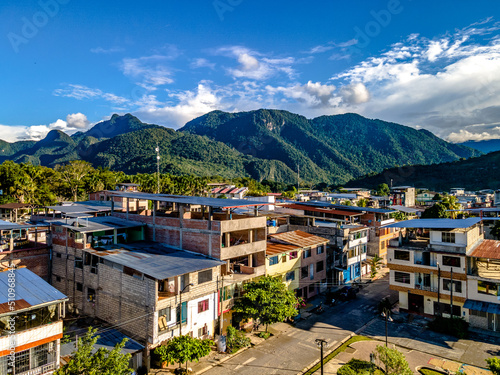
[
  {"x": 262, "y": 144},
  {"x": 489, "y": 145}
]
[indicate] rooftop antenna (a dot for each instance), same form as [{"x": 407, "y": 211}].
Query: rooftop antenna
[
  {"x": 157, "y": 149},
  {"x": 298, "y": 178}
]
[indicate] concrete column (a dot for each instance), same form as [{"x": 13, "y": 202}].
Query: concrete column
[
  {"x": 11, "y": 241},
  {"x": 154, "y": 221},
  {"x": 115, "y": 234},
  {"x": 128, "y": 208}
]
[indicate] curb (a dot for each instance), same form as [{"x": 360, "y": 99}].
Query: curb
[{"x": 223, "y": 360}]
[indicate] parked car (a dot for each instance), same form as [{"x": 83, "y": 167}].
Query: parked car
[{"x": 347, "y": 293}]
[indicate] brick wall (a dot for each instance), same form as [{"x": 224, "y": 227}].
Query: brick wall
[{"x": 36, "y": 260}]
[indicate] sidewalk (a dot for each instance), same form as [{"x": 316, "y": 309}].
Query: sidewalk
[{"x": 416, "y": 359}]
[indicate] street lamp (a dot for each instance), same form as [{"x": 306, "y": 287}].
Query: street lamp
[
  {"x": 439, "y": 282},
  {"x": 386, "y": 313},
  {"x": 180, "y": 307},
  {"x": 320, "y": 343}
]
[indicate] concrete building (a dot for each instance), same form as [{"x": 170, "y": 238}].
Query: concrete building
[
  {"x": 25, "y": 245},
  {"x": 403, "y": 196},
  {"x": 149, "y": 290},
  {"x": 31, "y": 344},
  {"x": 428, "y": 266},
  {"x": 300, "y": 259},
  {"x": 483, "y": 285}
]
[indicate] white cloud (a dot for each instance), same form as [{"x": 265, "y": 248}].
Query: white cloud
[
  {"x": 77, "y": 120},
  {"x": 201, "y": 63},
  {"x": 148, "y": 71},
  {"x": 106, "y": 50},
  {"x": 253, "y": 65},
  {"x": 81, "y": 92},
  {"x": 464, "y": 135},
  {"x": 312, "y": 94}
]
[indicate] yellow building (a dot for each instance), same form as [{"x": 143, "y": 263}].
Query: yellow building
[{"x": 284, "y": 261}]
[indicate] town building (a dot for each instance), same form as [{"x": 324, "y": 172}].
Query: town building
[
  {"x": 428, "y": 266},
  {"x": 31, "y": 324},
  {"x": 299, "y": 258},
  {"x": 228, "y": 191},
  {"x": 25, "y": 245},
  {"x": 403, "y": 196}
]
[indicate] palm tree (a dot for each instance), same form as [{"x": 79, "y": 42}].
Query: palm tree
[{"x": 375, "y": 264}]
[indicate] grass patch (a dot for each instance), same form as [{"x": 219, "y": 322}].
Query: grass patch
[
  {"x": 264, "y": 335},
  {"x": 340, "y": 349}
]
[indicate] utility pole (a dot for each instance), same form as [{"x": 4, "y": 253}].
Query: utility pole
[
  {"x": 298, "y": 179},
  {"x": 320, "y": 343},
  {"x": 157, "y": 149},
  {"x": 451, "y": 293},
  {"x": 439, "y": 281}
]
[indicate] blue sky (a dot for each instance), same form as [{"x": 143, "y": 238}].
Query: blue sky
[{"x": 68, "y": 64}]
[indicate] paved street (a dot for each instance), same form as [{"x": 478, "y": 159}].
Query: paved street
[{"x": 295, "y": 347}]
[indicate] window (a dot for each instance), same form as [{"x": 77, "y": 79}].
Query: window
[
  {"x": 402, "y": 277},
  {"x": 445, "y": 309},
  {"x": 92, "y": 261},
  {"x": 401, "y": 255},
  {"x": 293, "y": 255},
  {"x": 91, "y": 295},
  {"x": 304, "y": 272},
  {"x": 290, "y": 276},
  {"x": 58, "y": 255},
  {"x": 184, "y": 281},
  {"x": 320, "y": 266},
  {"x": 451, "y": 261},
  {"x": 204, "y": 276},
  {"x": 320, "y": 250},
  {"x": 311, "y": 271},
  {"x": 202, "y": 306},
  {"x": 58, "y": 279},
  {"x": 312, "y": 288},
  {"x": 457, "y": 285},
  {"x": 273, "y": 260},
  {"x": 164, "y": 315},
  {"x": 203, "y": 331},
  {"x": 306, "y": 253},
  {"x": 78, "y": 262},
  {"x": 486, "y": 287},
  {"x": 283, "y": 258},
  {"x": 448, "y": 237},
  {"x": 79, "y": 287}
]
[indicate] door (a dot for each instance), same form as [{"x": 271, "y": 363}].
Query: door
[
  {"x": 416, "y": 303},
  {"x": 493, "y": 322}
]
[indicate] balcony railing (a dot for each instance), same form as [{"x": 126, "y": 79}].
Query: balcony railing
[{"x": 40, "y": 370}]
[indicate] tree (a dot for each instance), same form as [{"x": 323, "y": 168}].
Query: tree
[
  {"x": 494, "y": 365},
  {"x": 437, "y": 211},
  {"x": 398, "y": 215},
  {"x": 87, "y": 361},
  {"x": 383, "y": 190},
  {"x": 362, "y": 202},
  {"x": 450, "y": 202},
  {"x": 495, "y": 231},
  {"x": 184, "y": 349},
  {"x": 268, "y": 300},
  {"x": 437, "y": 197},
  {"x": 394, "y": 361},
  {"x": 375, "y": 264},
  {"x": 73, "y": 173}
]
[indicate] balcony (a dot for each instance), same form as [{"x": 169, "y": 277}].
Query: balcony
[
  {"x": 45, "y": 369},
  {"x": 426, "y": 288},
  {"x": 241, "y": 272}
]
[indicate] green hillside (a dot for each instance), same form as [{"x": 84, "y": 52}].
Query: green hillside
[
  {"x": 477, "y": 173},
  {"x": 262, "y": 144}
]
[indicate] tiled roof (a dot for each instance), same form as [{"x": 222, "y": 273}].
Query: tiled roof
[
  {"x": 487, "y": 249},
  {"x": 299, "y": 238}
]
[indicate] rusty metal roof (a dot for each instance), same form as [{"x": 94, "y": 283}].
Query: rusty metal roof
[
  {"x": 278, "y": 248},
  {"x": 487, "y": 249},
  {"x": 324, "y": 210},
  {"x": 299, "y": 238}
]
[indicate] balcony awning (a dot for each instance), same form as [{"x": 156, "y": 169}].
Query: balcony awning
[{"x": 482, "y": 306}]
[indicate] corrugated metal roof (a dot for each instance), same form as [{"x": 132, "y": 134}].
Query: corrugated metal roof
[
  {"x": 299, "y": 238},
  {"x": 274, "y": 248},
  {"x": 436, "y": 223},
  {"x": 209, "y": 202},
  {"x": 154, "y": 259},
  {"x": 314, "y": 209},
  {"x": 28, "y": 287},
  {"x": 107, "y": 340},
  {"x": 14, "y": 206},
  {"x": 347, "y": 208},
  {"x": 93, "y": 224},
  {"x": 487, "y": 249},
  {"x": 408, "y": 210}
]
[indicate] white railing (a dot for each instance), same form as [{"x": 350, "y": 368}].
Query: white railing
[{"x": 40, "y": 370}]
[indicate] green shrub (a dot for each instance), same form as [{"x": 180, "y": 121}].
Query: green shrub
[
  {"x": 358, "y": 367},
  {"x": 457, "y": 327},
  {"x": 264, "y": 335},
  {"x": 235, "y": 339}
]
